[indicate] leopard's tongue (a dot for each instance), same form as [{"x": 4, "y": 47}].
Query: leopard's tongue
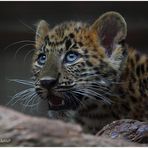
[{"x": 56, "y": 101}]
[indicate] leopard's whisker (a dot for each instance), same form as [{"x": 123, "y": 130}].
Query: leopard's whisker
[
  {"x": 25, "y": 82},
  {"x": 96, "y": 94},
  {"x": 31, "y": 105},
  {"x": 29, "y": 27},
  {"x": 81, "y": 93},
  {"x": 24, "y": 92},
  {"x": 21, "y": 98},
  {"x": 27, "y": 54},
  {"x": 26, "y": 25},
  {"x": 93, "y": 94},
  {"x": 67, "y": 96},
  {"x": 93, "y": 84},
  {"x": 74, "y": 96},
  {"x": 84, "y": 94},
  {"x": 30, "y": 100},
  {"x": 18, "y": 42},
  {"x": 98, "y": 89},
  {"x": 36, "y": 99},
  {"x": 21, "y": 48}
]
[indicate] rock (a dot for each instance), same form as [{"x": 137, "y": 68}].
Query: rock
[{"x": 17, "y": 129}]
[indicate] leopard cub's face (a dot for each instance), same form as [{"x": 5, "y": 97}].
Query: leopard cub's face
[{"x": 75, "y": 61}]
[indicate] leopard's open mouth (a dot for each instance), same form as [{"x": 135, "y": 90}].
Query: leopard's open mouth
[
  {"x": 56, "y": 102},
  {"x": 60, "y": 103}
]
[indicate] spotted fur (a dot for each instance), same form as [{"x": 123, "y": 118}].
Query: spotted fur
[{"x": 108, "y": 81}]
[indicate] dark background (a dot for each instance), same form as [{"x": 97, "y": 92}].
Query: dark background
[{"x": 17, "y": 23}]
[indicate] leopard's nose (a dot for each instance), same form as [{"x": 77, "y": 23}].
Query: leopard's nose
[{"x": 48, "y": 82}]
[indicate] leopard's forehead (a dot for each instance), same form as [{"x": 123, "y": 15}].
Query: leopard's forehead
[
  {"x": 79, "y": 33},
  {"x": 59, "y": 32}
]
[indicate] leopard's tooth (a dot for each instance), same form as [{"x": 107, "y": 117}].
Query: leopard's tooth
[
  {"x": 50, "y": 103},
  {"x": 63, "y": 102}
]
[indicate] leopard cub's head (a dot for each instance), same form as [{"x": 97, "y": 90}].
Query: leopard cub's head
[{"x": 75, "y": 61}]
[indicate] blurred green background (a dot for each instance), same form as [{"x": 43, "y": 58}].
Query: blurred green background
[{"x": 17, "y": 23}]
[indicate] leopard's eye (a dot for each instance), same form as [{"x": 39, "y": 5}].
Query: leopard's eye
[
  {"x": 71, "y": 57},
  {"x": 41, "y": 59}
]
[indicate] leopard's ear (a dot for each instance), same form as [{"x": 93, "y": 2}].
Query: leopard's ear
[
  {"x": 111, "y": 29},
  {"x": 41, "y": 32}
]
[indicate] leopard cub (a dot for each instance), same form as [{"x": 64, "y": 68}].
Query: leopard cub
[{"x": 88, "y": 74}]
